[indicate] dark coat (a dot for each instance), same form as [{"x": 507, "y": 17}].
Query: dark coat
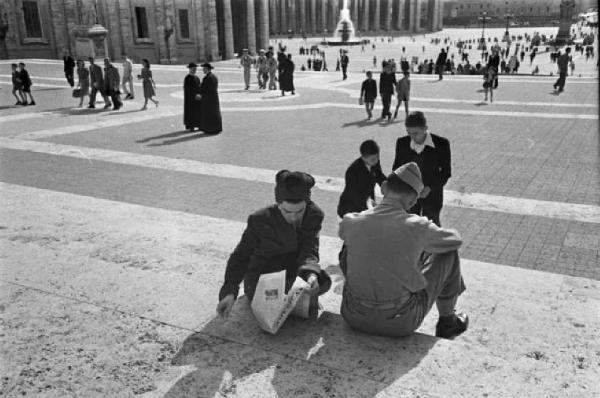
[
  {"x": 369, "y": 89},
  {"x": 211, "y": 122},
  {"x": 191, "y": 106},
  {"x": 434, "y": 164},
  {"x": 69, "y": 64},
  {"x": 387, "y": 83},
  {"x": 271, "y": 244},
  {"x": 96, "y": 77},
  {"x": 441, "y": 59},
  {"x": 360, "y": 185},
  {"x": 286, "y": 78}
]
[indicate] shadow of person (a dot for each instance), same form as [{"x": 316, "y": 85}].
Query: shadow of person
[
  {"x": 163, "y": 136},
  {"x": 235, "y": 356},
  {"x": 361, "y": 123},
  {"x": 196, "y": 136}
]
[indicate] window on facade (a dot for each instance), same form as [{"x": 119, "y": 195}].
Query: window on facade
[
  {"x": 184, "y": 24},
  {"x": 547, "y": 9},
  {"x": 142, "y": 22},
  {"x": 31, "y": 13},
  {"x": 461, "y": 7}
]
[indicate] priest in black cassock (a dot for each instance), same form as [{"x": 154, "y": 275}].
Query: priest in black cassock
[
  {"x": 191, "y": 99},
  {"x": 211, "y": 110}
]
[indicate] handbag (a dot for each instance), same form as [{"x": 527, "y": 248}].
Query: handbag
[{"x": 76, "y": 93}]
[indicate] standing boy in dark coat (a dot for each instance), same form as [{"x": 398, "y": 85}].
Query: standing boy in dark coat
[
  {"x": 387, "y": 85},
  {"x": 283, "y": 236},
  {"x": 440, "y": 63},
  {"x": 191, "y": 99},
  {"x": 97, "y": 83},
  {"x": 209, "y": 96},
  {"x": 361, "y": 177},
  {"x": 432, "y": 154},
  {"x": 368, "y": 93},
  {"x": 344, "y": 63},
  {"x": 112, "y": 82}
]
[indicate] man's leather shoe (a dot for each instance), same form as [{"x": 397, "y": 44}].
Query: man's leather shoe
[{"x": 451, "y": 326}]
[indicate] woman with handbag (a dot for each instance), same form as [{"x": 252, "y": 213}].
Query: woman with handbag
[{"x": 83, "y": 84}]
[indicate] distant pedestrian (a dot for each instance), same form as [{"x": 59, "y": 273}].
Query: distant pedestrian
[
  {"x": 387, "y": 86},
  {"x": 17, "y": 84},
  {"x": 563, "y": 70},
  {"x": 112, "y": 82},
  {"x": 493, "y": 65},
  {"x": 127, "y": 78},
  {"x": 374, "y": 61},
  {"x": 440, "y": 63},
  {"x": 262, "y": 70},
  {"x": 344, "y": 63},
  {"x": 209, "y": 102},
  {"x": 368, "y": 93},
  {"x": 69, "y": 67},
  {"x": 26, "y": 81},
  {"x": 83, "y": 81},
  {"x": 148, "y": 84},
  {"x": 403, "y": 93},
  {"x": 97, "y": 83},
  {"x": 572, "y": 66},
  {"x": 246, "y": 62},
  {"x": 286, "y": 79},
  {"x": 488, "y": 84},
  {"x": 272, "y": 68},
  {"x": 191, "y": 99}
]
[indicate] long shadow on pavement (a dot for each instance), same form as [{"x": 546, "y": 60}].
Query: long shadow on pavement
[
  {"x": 361, "y": 123},
  {"x": 175, "y": 138},
  {"x": 307, "y": 357}
]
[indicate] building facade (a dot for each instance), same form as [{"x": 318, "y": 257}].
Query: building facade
[{"x": 178, "y": 31}]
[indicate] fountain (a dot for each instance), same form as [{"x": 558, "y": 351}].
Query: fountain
[{"x": 344, "y": 31}]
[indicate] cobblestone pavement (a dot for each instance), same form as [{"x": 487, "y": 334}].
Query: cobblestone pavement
[{"x": 525, "y": 193}]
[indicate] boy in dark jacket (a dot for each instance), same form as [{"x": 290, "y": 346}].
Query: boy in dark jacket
[
  {"x": 361, "y": 177},
  {"x": 283, "y": 236},
  {"x": 387, "y": 86},
  {"x": 368, "y": 93},
  {"x": 17, "y": 85}
]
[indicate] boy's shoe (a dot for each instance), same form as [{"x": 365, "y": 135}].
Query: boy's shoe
[
  {"x": 449, "y": 327},
  {"x": 32, "y": 103},
  {"x": 91, "y": 106},
  {"x": 19, "y": 103},
  {"x": 107, "y": 106}
]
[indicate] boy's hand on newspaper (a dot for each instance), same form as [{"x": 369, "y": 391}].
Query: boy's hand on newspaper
[
  {"x": 225, "y": 305},
  {"x": 313, "y": 282}
]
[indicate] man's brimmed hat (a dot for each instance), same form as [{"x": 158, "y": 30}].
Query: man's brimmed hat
[
  {"x": 192, "y": 65},
  {"x": 410, "y": 174},
  {"x": 207, "y": 65},
  {"x": 293, "y": 186}
]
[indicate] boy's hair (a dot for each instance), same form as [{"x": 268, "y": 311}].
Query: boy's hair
[
  {"x": 13, "y": 65},
  {"x": 21, "y": 64},
  {"x": 368, "y": 148},
  {"x": 369, "y": 73},
  {"x": 394, "y": 183},
  {"x": 415, "y": 119}
]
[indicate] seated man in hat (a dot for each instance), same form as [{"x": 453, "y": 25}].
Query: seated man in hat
[
  {"x": 398, "y": 264},
  {"x": 283, "y": 236}
]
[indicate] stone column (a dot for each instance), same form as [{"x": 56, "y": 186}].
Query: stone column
[
  {"x": 198, "y": 28},
  {"x": 411, "y": 15},
  {"x": 365, "y": 15},
  {"x": 354, "y": 12},
  {"x": 334, "y": 9},
  {"x": 283, "y": 23},
  {"x": 292, "y": 15},
  {"x": 399, "y": 13},
  {"x": 273, "y": 17},
  {"x": 228, "y": 29},
  {"x": 417, "y": 15},
  {"x": 388, "y": 15},
  {"x": 323, "y": 15},
  {"x": 377, "y": 16},
  {"x": 250, "y": 26},
  {"x": 263, "y": 24},
  {"x": 313, "y": 16},
  {"x": 302, "y": 14},
  {"x": 212, "y": 29},
  {"x": 440, "y": 9}
]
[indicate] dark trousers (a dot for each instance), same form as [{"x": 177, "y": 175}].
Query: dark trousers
[
  {"x": 70, "y": 78},
  {"x": 444, "y": 285},
  {"x": 115, "y": 96},
  {"x": 344, "y": 68},
  {"x": 386, "y": 99},
  {"x": 428, "y": 208},
  {"x": 562, "y": 78},
  {"x": 93, "y": 96}
]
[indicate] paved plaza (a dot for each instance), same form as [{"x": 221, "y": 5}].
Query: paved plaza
[{"x": 116, "y": 227}]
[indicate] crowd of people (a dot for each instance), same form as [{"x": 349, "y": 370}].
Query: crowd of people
[
  {"x": 270, "y": 70},
  {"x": 21, "y": 84},
  {"x": 93, "y": 80}
]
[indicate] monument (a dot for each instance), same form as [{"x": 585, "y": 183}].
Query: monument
[
  {"x": 90, "y": 36},
  {"x": 566, "y": 20},
  {"x": 343, "y": 35}
]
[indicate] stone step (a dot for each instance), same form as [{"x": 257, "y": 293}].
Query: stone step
[{"x": 531, "y": 333}]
